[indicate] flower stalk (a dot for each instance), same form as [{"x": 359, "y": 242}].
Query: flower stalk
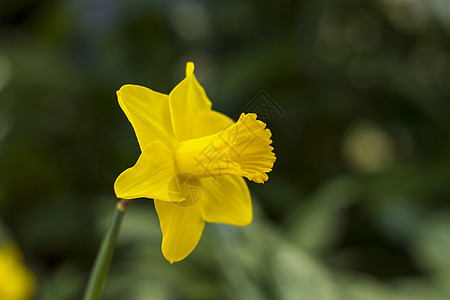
[{"x": 103, "y": 260}]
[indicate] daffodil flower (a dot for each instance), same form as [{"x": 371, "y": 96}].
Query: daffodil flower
[
  {"x": 193, "y": 160},
  {"x": 16, "y": 281}
]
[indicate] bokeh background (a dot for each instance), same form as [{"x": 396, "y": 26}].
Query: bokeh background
[{"x": 357, "y": 206}]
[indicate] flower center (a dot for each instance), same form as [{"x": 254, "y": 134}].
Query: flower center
[
  {"x": 242, "y": 149},
  {"x": 184, "y": 187}
]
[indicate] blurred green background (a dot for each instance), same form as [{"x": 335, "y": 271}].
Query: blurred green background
[{"x": 357, "y": 206}]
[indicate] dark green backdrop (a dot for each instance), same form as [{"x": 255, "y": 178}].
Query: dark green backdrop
[{"x": 357, "y": 206}]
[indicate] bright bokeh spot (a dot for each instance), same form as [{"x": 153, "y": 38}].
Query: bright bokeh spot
[{"x": 367, "y": 148}]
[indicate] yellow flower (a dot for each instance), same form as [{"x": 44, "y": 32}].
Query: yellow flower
[
  {"x": 16, "y": 281},
  {"x": 192, "y": 161}
]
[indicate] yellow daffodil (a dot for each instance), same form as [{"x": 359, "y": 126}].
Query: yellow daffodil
[
  {"x": 192, "y": 161},
  {"x": 16, "y": 281}
]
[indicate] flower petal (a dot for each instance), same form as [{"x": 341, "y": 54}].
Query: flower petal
[
  {"x": 226, "y": 199},
  {"x": 215, "y": 122},
  {"x": 182, "y": 228},
  {"x": 149, "y": 177},
  {"x": 149, "y": 114},
  {"x": 188, "y": 106}
]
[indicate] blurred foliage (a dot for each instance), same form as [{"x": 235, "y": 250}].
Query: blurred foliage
[{"x": 357, "y": 204}]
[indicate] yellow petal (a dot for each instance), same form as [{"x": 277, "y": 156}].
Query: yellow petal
[
  {"x": 182, "y": 228},
  {"x": 149, "y": 177},
  {"x": 189, "y": 106},
  {"x": 225, "y": 199},
  {"x": 148, "y": 111},
  {"x": 215, "y": 122}
]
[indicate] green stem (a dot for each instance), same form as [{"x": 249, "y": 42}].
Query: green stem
[{"x": 103, "y": 260}]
